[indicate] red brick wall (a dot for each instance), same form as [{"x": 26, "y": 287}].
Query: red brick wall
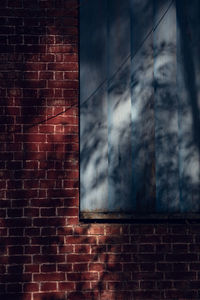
[{"x": 45, "y": 252}]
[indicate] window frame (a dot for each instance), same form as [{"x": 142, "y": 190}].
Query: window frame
[{"x": 130, "y": 216}]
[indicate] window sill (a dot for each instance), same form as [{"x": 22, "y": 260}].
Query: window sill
[{"x": 126, "y": 216}]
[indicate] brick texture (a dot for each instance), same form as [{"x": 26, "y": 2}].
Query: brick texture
[{"x": 46, "y": 253}]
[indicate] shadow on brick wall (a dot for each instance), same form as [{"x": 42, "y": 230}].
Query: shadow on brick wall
[
  {"x": 39, "y": 153},
  {"x": 46, "y": 254}
]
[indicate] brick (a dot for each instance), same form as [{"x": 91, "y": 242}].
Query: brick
[
  {"x": 49, "y": 277},
  {"x": 161, "y": 229},
  {"x": 56, "y": 221},
  {"x": 48, "y": 286},
  {"x": 83, "y": 285},
  {"x": 147, "y": 285},
  {"x": 72, "y": 258},
  {"x": 113, "y": 239},
  {"x": 48, "y": 212},
  {"x": 67, "y": 84},
  {"x": 81, "y": 295},
  {"x": 65, "y": 230},
  {"x": 82, "y": 276},
  {"x": 180, "y": 275},
  {"x": 114, "y": 267},
  {"x": 48, "y": 258},
  {"x": 15, "y": 241},
  {"x": 146, "y": 248},
  {"x": 47, "y": 240},
  {"x": 65, "y": 267},
  {"x": 194, "y": 228},
  {"x": 147, "y": 275},
  {"x": 195, "y": 266},
  {"x": 68, "y": 211},
  {"x": 151, "y": 294},
  {"x": 18, "y": 259},
  {"x": 48, "y": 268},
  {"x": 82, "y": 249},
  {"x": 149, "y": 258},
  {"x": 47, "y": 202},
  {"x": 48, "y": 231},
  {"x": 113, "y": 230},
  {"x": 31, "y": 268},
  {"x": 141, "y": 229},
  {"x": 80, "y": 240},
  {"x": 66, "y": 286},
  {"x": 163, "y": 248},
  {"x": 165, "y": 266},
  {"x": 49, "y": 296},
  {"x": 145, "y": 239},
  {"x": 177, "y": 239},
  {"x": 14, "y": 184},
  {"x": 178, "y": 267},
  {"x": 181, "y": 257},
  {"x": 164, "y": 284},
  {"x": 16, "y": 278},
  {"x": 4, "y": 232},
  {"x": 15, "y": 269},
  {"x": 194, "y": 284},
  {"x": 16, "y": 250},
  {"x": 81, "y": 267},
  {"x": 49, "y": 249},
  {"x": 14, "y": 288},
  {"x": 131, "y": 267},
  {"x": 18, "y": 222},
  {"x": 18, "y": 296},
  {"x": 179, "y": 229},
  {"x": 182, "y": 284},
  {"x": 31, "y": 287},
  {"x": 175, "y": 294},
  {"x": 32, "y": 249},
  {"x": 130, "y": 248},
  {"x": 71, "y": 66},
  {"x": 15, "y": 212},
  {"x": 148, "y": 267},
  {"x": 31, "y": 212}
]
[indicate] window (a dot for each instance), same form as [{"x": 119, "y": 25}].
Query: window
[{"x": 139, "y": 108}]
